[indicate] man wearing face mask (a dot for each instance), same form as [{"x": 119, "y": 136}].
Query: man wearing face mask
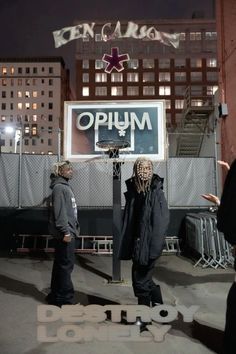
[
  {"x": 146, "y": 218},
  {"x": 64, "y": 227}
]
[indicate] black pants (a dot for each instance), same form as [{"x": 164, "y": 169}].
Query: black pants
[
  {"x": 62, "y": 290},
  {"x": 142, "y": 282},
  {"x": 230, "y": 325}
]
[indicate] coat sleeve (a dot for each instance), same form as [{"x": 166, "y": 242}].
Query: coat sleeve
[{"x": 59, "y": 210}]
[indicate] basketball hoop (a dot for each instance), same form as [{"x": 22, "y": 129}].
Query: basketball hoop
[{"x": 112, "y": 153}]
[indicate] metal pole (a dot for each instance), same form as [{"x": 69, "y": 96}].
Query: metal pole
[
  {"x": 20, "y": 172},
  {"x": 59, "y": 145}
]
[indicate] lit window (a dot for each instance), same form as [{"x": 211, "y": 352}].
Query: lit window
[
  {"x": 132, "y": 64},
  {"x": 196, "y": 103},
  {"x": 101, "y": 77},
  {"x": 164, "y": 63},
  {"x": 148, "y": 63},
  {"x": 19, "y": 105},
  {"x": 132, "y": 90},
  {"x": 35, "y": 94},
  {"x": 116, "y": 90},
  {"x": 195, "y": 36},
  {"x": 27, "y": 94},
  {"x": 211, "y": 90},
  {"x": 148, "y": 77},
  {"x": 164, "y": 90},
  {"x": 116, "y": 77},
  {"x": 85, "y": 77},
  {"x": 4, "y": 82},
  {"x": 98, "y": 37},
  {"x": 34, "y": 129},
  {"x": 12, "y": 70},
  {"x": 180, "y": 76},
  {"x": 4, "y": 71},
  {"x": 27, "y": 105},
  {"x": 50, "y": 130},
  {"x": 148, "y": 90},
  {"x": 196, "y": 76},
  {"x": 85, "y": 91},
  {"x": 27, "y": 129},
  {"x": 211, "y": 35},
  {"x": 34, "y": 106},
  {"x": 211, "y": 63},
  {"x": 34, "y": 117},
  {"x": 85, "y": 64},
  {"x": 179, "y": 104},
  {"x": 3, "y": 118},
  {"x": 99, "y": 64},
  {"x": 132, "y": 77},
  {"x": 101, "y": 91},
  {"x": 168, "y": 104},
  {"x": 164, "y": 77}
]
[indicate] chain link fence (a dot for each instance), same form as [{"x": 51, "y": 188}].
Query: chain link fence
[{"x": 185, "y": 179}]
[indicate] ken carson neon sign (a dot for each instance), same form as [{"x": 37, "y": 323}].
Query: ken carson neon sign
[
  {"x": 111, "y": 119},
  {"x": 132, "y": 30}
]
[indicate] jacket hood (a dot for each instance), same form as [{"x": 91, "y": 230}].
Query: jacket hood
[
  {"x": 57, "y": 180},
  {"x": 157, "y": 182}
]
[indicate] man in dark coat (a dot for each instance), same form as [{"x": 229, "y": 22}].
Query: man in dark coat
[
  {"x": 145, "y": 222},
  {"x": 64, "y": 227}
]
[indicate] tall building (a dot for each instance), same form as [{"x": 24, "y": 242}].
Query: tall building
[
  {"x": 32, "y": 91},
  {"x": 155, "y": 70},
  {"x": 226, "y": 28}
]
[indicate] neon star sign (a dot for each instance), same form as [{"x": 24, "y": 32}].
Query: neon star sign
[{"x": 115, "y": 61}]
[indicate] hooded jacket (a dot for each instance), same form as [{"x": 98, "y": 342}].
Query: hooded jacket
[
  {"x": 63, "y": 216},
  {"x": 152, "y": 224}
]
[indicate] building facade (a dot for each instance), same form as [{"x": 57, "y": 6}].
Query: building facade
[
  {"x": 32, "y": 91},
  {"x": 226, "y": 28},
  {"x": 155, "y": 70}
]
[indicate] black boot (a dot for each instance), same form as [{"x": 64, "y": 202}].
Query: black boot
[
  {"x": 156, "y": 297},
  {"x": 143, "y": 300}
]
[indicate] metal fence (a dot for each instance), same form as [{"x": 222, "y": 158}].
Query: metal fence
[{"x": 25, "y": 181}]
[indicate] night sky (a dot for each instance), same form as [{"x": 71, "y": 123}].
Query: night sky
[{"x": 26, "y": 26}]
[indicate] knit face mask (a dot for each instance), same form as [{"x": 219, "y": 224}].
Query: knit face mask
[{"x": 143, "y": 172}]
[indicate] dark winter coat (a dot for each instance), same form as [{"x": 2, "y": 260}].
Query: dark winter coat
[
  {"x": 226, "y": 214},
  {"x": 153, "y": 223},
  {"x": 63, "y": 216}
]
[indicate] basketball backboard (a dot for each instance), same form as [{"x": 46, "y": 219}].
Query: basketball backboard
[{"x": 140, "y": 123}]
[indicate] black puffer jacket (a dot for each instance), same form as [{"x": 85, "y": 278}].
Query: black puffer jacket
[{"x": 153, "y": 223}]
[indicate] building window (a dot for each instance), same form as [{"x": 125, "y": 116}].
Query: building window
[
  {"x": 27, "y": 130},
  {"x": 3, "y": 106},
  {"x": 4, "y": 71},
  {"x": 27, "y": 94},
  {"x": 35, "y": 70},
  {"x": 19, "y": 105},
  {"x": 43, "y": 69},
  {"x": 12, "y": 70},
  {"x": 116, "y": 90},
  {"x": 27, "y": 105},
  {"x": 168, "y": 104},
  {"x": 49, "y": 142},
  {"x": 148, "y": 77},
  {"x": 148, "y": 90},
  {"x": 50, "y": 105},
  {"x": 50, "y": 118},
  {"x": 85, "y": 91},
  {"x": 50, "y": 93},
  {"x": 182, "y": 36},
  {"x": 180, "y": 90},
  {"x": 3, "y": 118},
  {"x": 211, "y": 35},
  {"x": 179, "y": 104},
  {"x": 19, "y": 82},
  {"x": 27, "y": 117},
  {"x": 148, "y": 63},
  {"x": 85, "y": 64},
  {"x": 180, "y": 63},
  {"x": 196, "y": 76},
  {"x": 12, "y": 94},
  {"x": 34, "y": 118},
  {"x": 19, "y": 70},
  {"x": 164, "y": 90},
  {"x": 195, "y": 36},
  {"x": 4, "y": 94},
  {"x": 133, "y": 64},
  {"x": 116, "y": 77},
  {"x": 212, "y": 76},
  {"x": 101, "y": 77},
  {"x": 27, "y": 70},
  {"x": 99, "y": 64},
  {"x": 164, "y": 77},
  {"x": 101, "y": 91},
  {"x": 196, "y": 63},
  {"x": 85, "y": 77},
  {"x": 49, "y": 130},
  {"x": 50, "y": 82},
  {"x": 27, "y": 82},
  {"x": 98, "y": 37},
  {"x": 211, "y": 90},
  {"x": 4, "y": 82},
  {"x": 164, "y": 63},
  {"x": 34, "y": 129},
  {"x": 180, "y": 76},
  {"x": 34, "y": 106},
  {"x": 196, "y": 103},
  {"x": 11, "y": 106},
  {"x": 26, "y": 141},
  {"x": 35, "y": 94},
  {"x": 50, "y": 70},
  {"x": 132, "y": 77},
  {"x": 211, "y": 63},
  {"x": 132, "y": 90}
]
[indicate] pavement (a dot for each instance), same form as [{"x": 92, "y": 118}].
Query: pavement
[{"x": 82, "y": 328}]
